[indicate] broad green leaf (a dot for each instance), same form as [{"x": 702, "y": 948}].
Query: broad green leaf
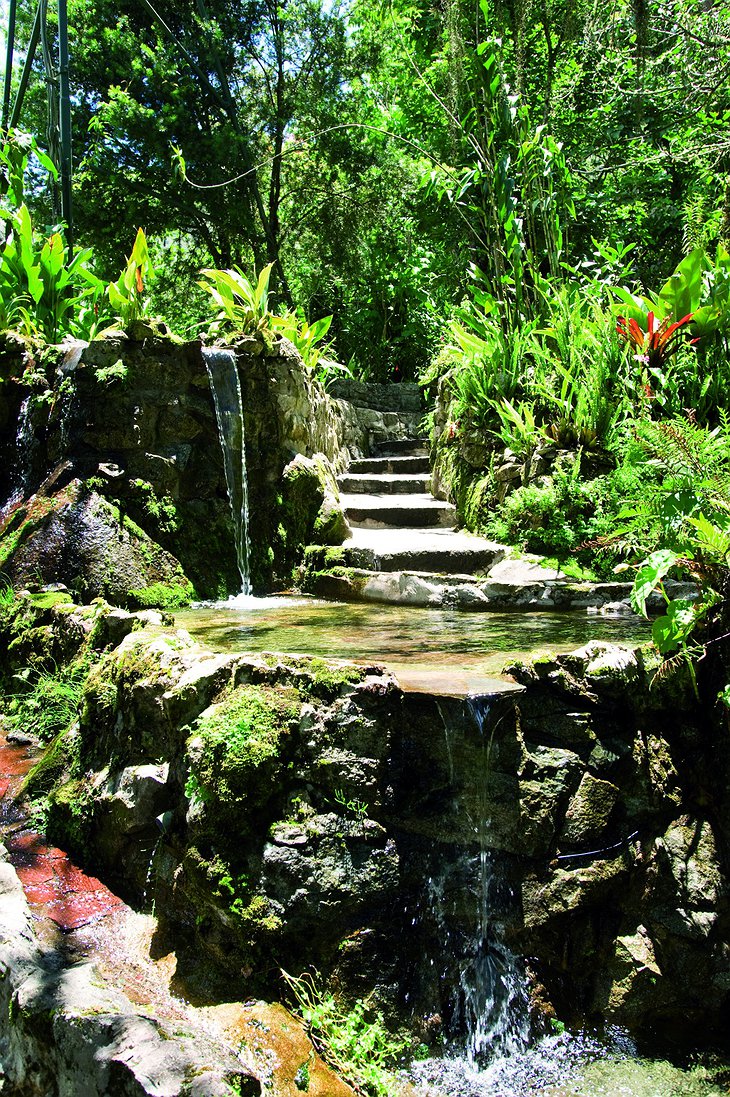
[
  {"x": 650, "y": 575},
  {"x": 671, "y": 631},
  {"x": 53, "y": 255}
]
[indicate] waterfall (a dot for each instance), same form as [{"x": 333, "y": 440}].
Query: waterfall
[
  {"x": 493, "y": 985},
  {"x": 469, "y": 900},
  {"x": 226, "y": 388},
  {"x": 20, "y": 466}
]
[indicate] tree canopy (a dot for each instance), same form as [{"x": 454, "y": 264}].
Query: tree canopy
[{"x": 382, "y": 155}]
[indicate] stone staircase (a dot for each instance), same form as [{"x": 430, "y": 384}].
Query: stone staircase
[
  {"x": 392, "y": 490},
  {"x": 398, "y": 525},
  {"x": 405, "y": 550}
]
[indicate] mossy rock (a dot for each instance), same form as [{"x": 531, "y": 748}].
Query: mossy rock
[
  {"x": 311, "y": 507},
  {"x": 162, "y": 596},
  {"x": 80, "y": 539},
  {"x": 58, "y": 759},
  {"x": 238, "y": 749}
]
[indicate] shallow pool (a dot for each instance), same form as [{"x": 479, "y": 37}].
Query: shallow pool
[{"x": 451, "y": 648}]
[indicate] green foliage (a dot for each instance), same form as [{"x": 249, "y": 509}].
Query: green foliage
[
  {"x": 160, "y": 510},
  {"x": 693, "y": 506},
  {"x": 241, "y": 735},
  {"x": 41, "y": 287},
  {"x": 50, "y": 699},
  {"x": 7, "y": 595},
  {"x": 352, "y": 804},
  {"x": 242, "y": 305},
  {"x": 127, "y": 295},
  {"x": 306, "y": 337},
  {"x": 355, "y": 1041}
]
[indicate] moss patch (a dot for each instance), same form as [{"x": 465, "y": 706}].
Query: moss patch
[
  {"x": 238, "y": 746},
  {"x": 162, "y": 596}
]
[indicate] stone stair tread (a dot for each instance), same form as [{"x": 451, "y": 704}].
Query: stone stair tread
[
  {"x": 398, "y": 446},
  {"x": 399, "y": 511},
  {"x": 445, "y": 551},
  {"x": 385, "y": 477},
  {"x": 378, "y": 500},
  {"x": 403, "y": 540},
  {"x": 383, "y": 483}
]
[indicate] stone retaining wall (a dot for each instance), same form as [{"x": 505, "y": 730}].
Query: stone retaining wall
[{"x": 133, "y": 422}]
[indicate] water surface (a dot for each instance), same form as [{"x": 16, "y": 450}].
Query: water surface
[
  {"x": 418, "y": 644},
  {"x": 572, "y": 1065}
]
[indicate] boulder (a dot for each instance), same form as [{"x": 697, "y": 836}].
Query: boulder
[{"x": 78, "y": 538}]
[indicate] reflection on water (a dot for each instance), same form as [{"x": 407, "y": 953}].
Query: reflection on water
[{"x": 400, "y": 636}]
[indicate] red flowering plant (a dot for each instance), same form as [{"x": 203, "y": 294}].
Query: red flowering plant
[{"x": 655, "y": 346}]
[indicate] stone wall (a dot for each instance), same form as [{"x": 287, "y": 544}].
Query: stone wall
[
  {"x": 346, "y": 422},
  {"x": 133, "y": 424}
]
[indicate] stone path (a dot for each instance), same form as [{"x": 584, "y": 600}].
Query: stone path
[
  {"x": 405, "y": 550},
  {"x": 398, "y": 525}
]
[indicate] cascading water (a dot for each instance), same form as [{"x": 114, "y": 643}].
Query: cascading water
[
  {"x": 493, "y": 983},
  {"x": 469, "y": 899},
  {"x": 226, "y": 388},
  {"x": 20, "y": 467}
]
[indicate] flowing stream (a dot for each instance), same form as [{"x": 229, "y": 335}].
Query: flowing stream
[{"x": 226, "y": 388}]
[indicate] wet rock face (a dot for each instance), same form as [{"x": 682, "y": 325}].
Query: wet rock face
[
  {"x": 307, "y": 814},
  {"x": 77, "y": 537},
  {"x": 627, "y": 911}
]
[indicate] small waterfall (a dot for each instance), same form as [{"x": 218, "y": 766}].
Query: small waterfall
[
  {"x": 21, "y": 466},
  {"x": 226, "y": 388},
  {"x": 469, "y": 898},
  {"x": 493, "y": 983}
]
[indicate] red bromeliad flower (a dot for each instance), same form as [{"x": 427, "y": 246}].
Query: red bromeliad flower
[{"x": 659, "y": 342}]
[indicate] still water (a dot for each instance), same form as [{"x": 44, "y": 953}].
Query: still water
[{"x": 422, "y": 646}]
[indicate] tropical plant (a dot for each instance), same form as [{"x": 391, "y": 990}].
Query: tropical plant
[
  {"x": 305, "y": 337},
  {"x": 41, "y": 287},
  {"x": 517, "y": 429},
  {"x": 127, "y": 294},
  {"x": 242, "y": 304},
  {"x": 693, "y": 507},
  {"x": 655, "y": 346},
  {"x": 578, "y": 382}
]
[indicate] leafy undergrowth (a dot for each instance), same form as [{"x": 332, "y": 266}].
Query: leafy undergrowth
[{"x": 355, "y": 1042}]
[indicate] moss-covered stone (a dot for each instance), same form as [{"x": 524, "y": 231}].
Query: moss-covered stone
[
  {"x": 238, "y": 746},
  {"x": 59, "y": 758},
  {"x": 310, "y": 510},
  {"x": 162, "y": 596}
]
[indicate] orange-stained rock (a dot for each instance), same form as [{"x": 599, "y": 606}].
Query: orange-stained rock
[{"x": 276, "y": 1047}]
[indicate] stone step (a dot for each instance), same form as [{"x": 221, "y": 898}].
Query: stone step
[
  {"x": 384, "y": 483},
  {"x": 440, "y": 551},
  {"x": 400, "y": 447},
  {"x": 407, "y": 511},
  {"x": 391, "y": 465}
]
